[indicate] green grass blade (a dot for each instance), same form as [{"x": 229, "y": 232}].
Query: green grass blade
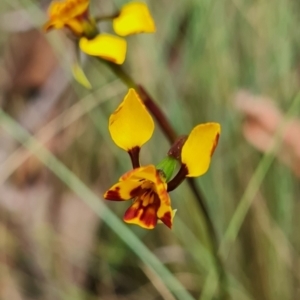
[{"x": 92, "y": 200}]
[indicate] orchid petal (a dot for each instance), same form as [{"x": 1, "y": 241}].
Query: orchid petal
[
  {"x": 123, "y": 190},
  {"x": 106, "y": 46},
  {"x": 143, "y": 211},
  {"x": 199, "y": 147},
  {"x": 134, "y": 18},
  {"x": 131, "y": 125}
]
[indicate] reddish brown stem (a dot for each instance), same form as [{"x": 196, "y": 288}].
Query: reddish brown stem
[
  {"x": 158, "y": 115},
  {"x": 134, "y": 154},
  {"x": 177, "y": 179}
]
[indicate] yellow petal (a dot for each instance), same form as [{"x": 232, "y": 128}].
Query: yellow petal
[
  {"x": 147, "y": 172},
  {"x": 199, "y": 147},
  {"x": 131, "y": 183},
  {"x": 80, "y": 77},
  {"x": 69, "y": 9},
  {"x": 134, "y": 18},
  {"x": 164, "y": 212},
  {"x": 131, "y": 125},
  {"x": 75, "y": 26},
  {"x": 67, "y": 14},
  {"x": 53, "y": 24},
  {"x": 123, "y": 190},
  {"x": 106, "y": 46}
]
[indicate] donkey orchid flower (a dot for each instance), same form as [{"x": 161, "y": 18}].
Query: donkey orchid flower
[{"x": 131, "y": 126}]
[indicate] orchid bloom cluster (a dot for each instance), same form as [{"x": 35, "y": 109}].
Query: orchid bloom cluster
[
  {"x": 73, "y": 15},
  {"x": 131, "y": 126}
]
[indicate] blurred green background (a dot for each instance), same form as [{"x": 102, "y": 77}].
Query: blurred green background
[{"x": 59, "y": 241}]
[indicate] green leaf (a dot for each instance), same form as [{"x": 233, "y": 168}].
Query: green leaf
[{"x": 80, "y": 77}]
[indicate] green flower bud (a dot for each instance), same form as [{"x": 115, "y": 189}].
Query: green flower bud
[
  {"x": 90, "y": 29},
  {"x": 167, "y": 167}
]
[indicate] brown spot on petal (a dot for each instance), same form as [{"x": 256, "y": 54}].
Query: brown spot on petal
[
  {"x": 135, "y": 192},
  {"x": 143, "y": 211},
  {"x": 111, "y": 59},
  {"x": 118, "y": 109},
  {"x": 167, "y": 219},
  {"x": 215, "y": 144},
  {"x": 114, "y": 113},
  {"x": 133, "y": 211},
  {"x": 148, "y": 217},
  {"x": 113, "y": 195},
  {"x": 47, "y": 27}
]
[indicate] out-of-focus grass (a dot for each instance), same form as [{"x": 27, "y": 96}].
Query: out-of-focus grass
[
  {"x": 94, "y": 202},
  {"x": 202, "y": 53}
]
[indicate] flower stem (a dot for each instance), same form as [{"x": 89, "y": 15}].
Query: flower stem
[
  {"x": 178, "y": 179},
  {"x": 171, "y": 135},
  {"x": 98, "y": 19},
  {"x": 158, "y": 114},
  {"x": 134, "y": 154}
]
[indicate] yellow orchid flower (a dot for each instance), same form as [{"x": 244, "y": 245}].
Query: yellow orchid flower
[
  {"x": 73, "y": 15},
  {"x": 151, "y": 200},
  {"x": 69, "y": 13},
  {"x": 131, "y": 126}
]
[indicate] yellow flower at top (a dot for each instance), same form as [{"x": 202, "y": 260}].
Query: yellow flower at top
[
  {"x": 73, "y": 15},
  {"x": 70, "y": 14},
  {"x": 134, "y": 18},
  {"x": 131, "y": 126}
]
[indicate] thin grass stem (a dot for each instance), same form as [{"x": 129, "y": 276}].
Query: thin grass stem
[{"x": 93, "y": 201}]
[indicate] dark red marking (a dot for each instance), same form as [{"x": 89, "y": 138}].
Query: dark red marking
[
  {"x": 134, "y": 154},
  {"x": 167, "y": 219},
  {"x": 132, "y": 212},
  {"x": 109, "y": 59},
  {"x": 149, "y": 217},
  {"x": 147, "y": 214},
  {"x": 136, "y": 192},
  {"x": 113, "y": 195},
  {"x": 215, "y": 144},
  {"x": 116, "y": 111}
]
